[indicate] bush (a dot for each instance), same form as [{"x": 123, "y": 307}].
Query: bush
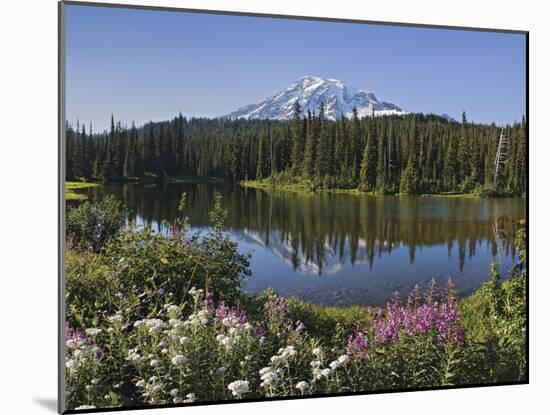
[{"x": 91, "y": 225}]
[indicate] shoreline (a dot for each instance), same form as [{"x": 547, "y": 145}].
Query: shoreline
[{"x": 297, "y": 188}]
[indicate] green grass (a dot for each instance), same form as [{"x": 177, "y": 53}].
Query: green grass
[
  {"x": 70, "y": 188},
  {"x": 307, "y": 187},
  {"x": 301, "y": 185}
]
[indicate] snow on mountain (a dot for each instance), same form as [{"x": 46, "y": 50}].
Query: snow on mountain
[{"x": 310, "y": 91}]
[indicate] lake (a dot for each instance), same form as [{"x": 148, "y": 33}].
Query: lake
[{"x": 341, "y": 249}]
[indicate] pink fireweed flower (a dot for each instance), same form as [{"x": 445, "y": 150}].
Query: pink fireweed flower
[
  {"x": 358, "y": 345},
  {"x": 74, "y": 337}
]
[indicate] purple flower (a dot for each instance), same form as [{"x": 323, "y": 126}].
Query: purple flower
[{"x": 358, "y": 345}]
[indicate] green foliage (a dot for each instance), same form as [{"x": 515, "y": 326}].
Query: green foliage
[
  {"x": 91, "y": 225},
  {"x": 428, "y": 153},
  {"x": 497, "y": 316},
  {"x": 70, "y": 188},
  {"x": 140, "y": 266},
  {"x": 139, "y": 332}
]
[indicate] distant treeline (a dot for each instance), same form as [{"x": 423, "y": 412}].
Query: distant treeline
[{"x": 408, "y": 154}]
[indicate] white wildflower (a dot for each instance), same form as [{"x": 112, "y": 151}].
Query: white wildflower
[
  {"x": 238, "y": 387},
  {"x": 268, "y": 376},
  {"x": 93, "y": 332},
  {"x": 154, "y": 363},
  {"x": 221, "y": 369},
  {"x": 334, "y": 365},
  {"x": 179, "y": 360},
  {"x": 302, "y": 386},
  {"x": 184, "y": 340},
  {"x": 203, "y": 313},
  {"x": 317, "y": 351},
  {"x": 277, "y": 359},
  {"x": 190, "y": 397},
  {"x": 343, "y": 359},
  {"x": 173, "y": 309},
  {"x": 326, "y": 372},
  {"x": 117, "y": 318}
]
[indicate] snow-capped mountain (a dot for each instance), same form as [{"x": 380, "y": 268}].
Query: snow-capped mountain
[{"x": 339, "y": 99}]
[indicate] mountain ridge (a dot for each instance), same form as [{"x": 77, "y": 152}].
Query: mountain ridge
[{"x": 338, "y": 98}]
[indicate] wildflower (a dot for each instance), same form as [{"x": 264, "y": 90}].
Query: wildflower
[
  {"x": 226, "y": 341},
  {"x": 140, "y": 383},
  {"x": 358, "y": 345},
  {"x": 277, "y": 359},
  {"x": 179, "y": 360},
  {"x": 184, "y": 340},
  {"x": 194, "y": 292},
  {"x": 268, "y": 376},
  {"x": 154, "y": 363},
  {"x": 221, "y": 369},
  {"x": 154, "y": 325},
  {"x": 92, "y": 332},
  {"x": 72, "y": 365},
  {"x": 343, "y": 359},
  {"x": 334, "y": 365},
  {"x": 317, "y": 351},
  {"x": 238, "y": 387},
  {"x": 326, "y": 372},
  {"x": 287, "y": 351},
  {"x": 174, "y": 392},
  {"x": 203, "y": 314},
  {"x": 190, "y": 397},
  {"x": 302, "y": 386},
  {"x": 117, "y": 318},
  {"x": 133, "y": 356},
  {"x": 173, "y": 310},
  {"x": 315, "y": 363}
]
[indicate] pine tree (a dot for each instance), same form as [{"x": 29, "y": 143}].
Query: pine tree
[
  {"x": 297, "y": 140},
  {"x": 323, "y": 166},
  {"x": 310, "y": 145},
  {"x": 355, "y": 143},
  {"x": 451, "y": 172},
  {"x": 410, "y": 180},
  {"x": 381, "y": 162},
  {"x": 263, "y": 166},
  {"x": 234, "y": 158},
  {"x": 367, "y": 174},
  {"x": 464, "y": 166}
]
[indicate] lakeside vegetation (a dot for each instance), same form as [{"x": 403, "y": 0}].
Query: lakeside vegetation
[
  {"x": 410, "y": 154},
  {"x": 70, "y": 188},
  {"x": 157, "y": 318},
  {"x": 281, "y": 182}
]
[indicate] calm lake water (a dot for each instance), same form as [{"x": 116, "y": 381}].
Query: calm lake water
[{"x": 339, "y": 249}]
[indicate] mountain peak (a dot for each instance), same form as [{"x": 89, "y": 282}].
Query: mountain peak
[{"x": 339, "y": 100}]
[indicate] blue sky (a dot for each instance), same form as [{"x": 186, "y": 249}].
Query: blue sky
[{"x": 146, "y": 65}]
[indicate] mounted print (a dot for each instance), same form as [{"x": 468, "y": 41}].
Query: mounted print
[{"x": 260, "y": 207}]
